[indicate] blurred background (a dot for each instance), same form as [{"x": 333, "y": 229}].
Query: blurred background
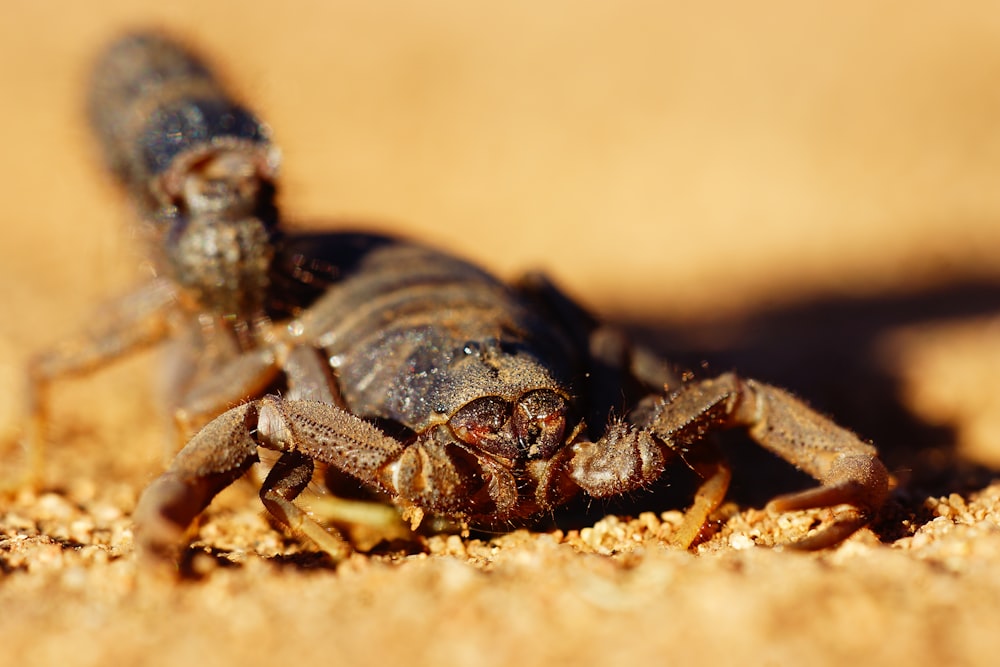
[{"x": 806, "y": 193}]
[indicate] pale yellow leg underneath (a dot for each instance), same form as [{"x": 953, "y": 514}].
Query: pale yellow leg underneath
[{"x": 707, "y": 499}]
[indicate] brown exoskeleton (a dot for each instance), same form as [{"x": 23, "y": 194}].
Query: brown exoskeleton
[{"x": 416, "y": 373}]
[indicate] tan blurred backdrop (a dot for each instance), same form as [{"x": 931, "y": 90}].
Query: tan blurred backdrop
[{"x": 654, "y": 156}]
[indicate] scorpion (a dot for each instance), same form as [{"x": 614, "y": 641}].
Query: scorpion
[{"x": 417, "y": 374}]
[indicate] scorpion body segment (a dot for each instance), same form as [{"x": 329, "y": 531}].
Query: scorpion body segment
[
  {"x": 198, "y": 165},
  {"x": 418, "y": 374},
  {"x": 156, "y": 109},
  {"x": 452, "y": 333}
]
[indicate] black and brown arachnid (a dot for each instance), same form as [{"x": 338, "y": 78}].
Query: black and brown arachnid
[{"x": 421, "y": 376}]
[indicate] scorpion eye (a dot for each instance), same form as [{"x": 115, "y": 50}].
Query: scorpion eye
[
  {"x": 483, "y": 423},
  {"x": 539, "y": 422}
]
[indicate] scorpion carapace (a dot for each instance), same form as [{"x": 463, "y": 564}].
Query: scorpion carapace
[{"x": 418, "y": 374}]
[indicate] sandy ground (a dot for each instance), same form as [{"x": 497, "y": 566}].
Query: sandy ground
[{"x": 806, "y": 195}]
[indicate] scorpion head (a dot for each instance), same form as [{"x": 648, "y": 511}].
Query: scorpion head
[{"x": 532, "y": 427}]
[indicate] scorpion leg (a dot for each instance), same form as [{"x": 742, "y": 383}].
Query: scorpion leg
[
  {"x": 310, "y": 378},
  {"x": 288, "y": 477},
  {"x": 716, "y": 475},
  {"x": 848, "y": 469},
  {"x": 235, "y": 381},
  {"x": 425, "y": 474},
  {"x": 137, "y": 320},
  {"x": 422, "y": 475},
  {"x": 631, "y": 456},
  {"x": 226, "y": 448},
  {"x": 218, "y": 455}
]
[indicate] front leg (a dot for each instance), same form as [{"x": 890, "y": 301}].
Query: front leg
[
  {"x": 286, "y": 480},
  {"x": 218, "y": 455},
  {"x": 848, "y": 469},
  {"x": 430, "y": 473},
  {"x": 226, "y": 448}
]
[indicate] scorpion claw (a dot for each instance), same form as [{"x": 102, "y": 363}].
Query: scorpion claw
[
  {"x": 861, "y": 495},
  {"x": 859, "y": 480}
]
